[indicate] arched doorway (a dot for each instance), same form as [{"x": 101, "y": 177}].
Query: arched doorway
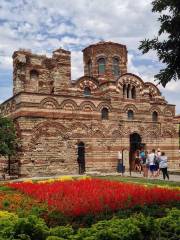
[
  {"x": 81, "y": 157},
  {"x": 135, "y": 144}
]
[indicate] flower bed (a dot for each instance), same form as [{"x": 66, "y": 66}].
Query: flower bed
[
  {"x": 16, "y": 202},
  {"x": 93, "y": 196}
]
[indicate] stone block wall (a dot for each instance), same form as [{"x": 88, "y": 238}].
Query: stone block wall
[
  {"x": 40, "y": 74},
  {"x": 53, "y": 114},
  {"x": 50, "y": 147}
]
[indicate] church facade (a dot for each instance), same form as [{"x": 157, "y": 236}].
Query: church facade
[{"x": 69, "y": 126}]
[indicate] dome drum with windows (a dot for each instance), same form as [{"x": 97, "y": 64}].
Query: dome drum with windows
[{"x": 105, "y": 60}]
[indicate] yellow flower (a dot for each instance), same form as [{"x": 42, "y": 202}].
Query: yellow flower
[
  {"x": 65, "y": 178},
  {"x": 42, "y": 181},
  {"x": 84, "y": 177},
  {"x": 28, "y": 181}
]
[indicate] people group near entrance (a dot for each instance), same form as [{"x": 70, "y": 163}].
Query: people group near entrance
[{"x": 152, "y": 163}]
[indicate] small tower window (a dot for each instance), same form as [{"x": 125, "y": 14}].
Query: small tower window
[
  {"x": 150, "y": 97},
  {"x": 154, "y": 116},
  {"x": 130, "y": 115},
  {"x": 133, "y": 92},
  {"x": 115, "y": 67},
  {"x": 101, "y": 66},
  {"x": 89, "y": 66},
  {"x": 87, "y": 91},
  {"x": 34, "y": 74},
  {"x": 104, "y": 114}
]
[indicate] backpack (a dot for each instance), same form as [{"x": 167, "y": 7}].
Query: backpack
[
  {"x": 156, "y": 161},
  {"x": 143, "y": 158}
]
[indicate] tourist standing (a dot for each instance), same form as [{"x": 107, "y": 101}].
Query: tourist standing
[
  {"x": 158, "y": 154},
  {"x": 163, "y": 165},
  {"x": 137, "y": 162},
  {"x": 143, "y": 162},
  {"x": 119, "y": 155},
  {"x": 151, "y": 162},
  {"x": 120, "y": 163},
  {"x": 147, "y": 164}
]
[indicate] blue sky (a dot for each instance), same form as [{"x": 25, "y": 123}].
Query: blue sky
[{"x": 45, "y": 25}]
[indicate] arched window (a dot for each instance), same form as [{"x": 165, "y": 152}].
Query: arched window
[
  {"x": 115, "y": 66},
  {"x": 133, "y": 92},
  {"x": 128, "y": 91},
  {"x": 81, "y": 157},
  {"x": 89, "y": 65},
  {"x": 154, "y": 116},
  {"x": 87, "y": 91},
  {"x": 124, "y": 91},
  {"x": 101, "y": 66},
  {"x": 34, "y": 74},
  {"x": 130, "y": 115},
  {"x": 104, "y": 113},
  {"x": 150, "y": 97}
]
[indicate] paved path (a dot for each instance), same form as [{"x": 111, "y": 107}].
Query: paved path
[{"x": 173, "y": 177}]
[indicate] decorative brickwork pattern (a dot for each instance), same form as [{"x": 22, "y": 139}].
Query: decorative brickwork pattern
[{"x": 54, "y": 115}]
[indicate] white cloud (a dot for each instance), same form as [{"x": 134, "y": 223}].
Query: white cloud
[
  {"x": 173, "y": 86},
  {"x": 62, "y": 29},
  {"x": 45, "y": 25},
  {"x": 5, "y": 62},
  {"x": 77, "y": 64}
]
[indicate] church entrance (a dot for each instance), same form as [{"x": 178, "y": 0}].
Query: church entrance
[
  {"x": 135, "y": 144},
  {"x": 81, "y": 157}
]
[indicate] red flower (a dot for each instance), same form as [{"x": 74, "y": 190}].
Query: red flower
[{"x": 81, "y": 197}]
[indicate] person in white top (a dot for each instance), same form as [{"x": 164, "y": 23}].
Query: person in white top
[
  {"x": 120, "y": 162},
  {"x": 119, "y": 156},
  {"x": 151, "y": 162},
  {"x": 163, "y": 165}
]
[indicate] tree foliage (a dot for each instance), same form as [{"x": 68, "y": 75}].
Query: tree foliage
[
  {"x": 168, "y": 50},
  {"x": 8, "y": 139}
]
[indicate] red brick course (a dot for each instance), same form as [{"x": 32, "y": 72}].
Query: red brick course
[{"x": 53, "y": 116}]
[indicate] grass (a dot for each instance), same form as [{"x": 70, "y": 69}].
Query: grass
[
  {"x": 5, "y": 188},
  {"x": 142, "y": 181}
]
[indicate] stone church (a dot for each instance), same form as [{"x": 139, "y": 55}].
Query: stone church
[{"x": 68, "y": 126}]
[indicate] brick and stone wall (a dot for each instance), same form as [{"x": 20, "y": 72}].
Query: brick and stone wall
[
  {"x": 39, "y": 74},
  {"x": 108, "y": 51},
  {"x": 53, "y": 114}
]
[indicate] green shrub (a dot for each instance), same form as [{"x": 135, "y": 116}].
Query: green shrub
[
  {"x": 7, "y": 223},
  {"x": 23, "y": 237},
  {"x": 56, "y": 218},
  {"x": 138, "y": 227},
  {"x": 38, "y": 210},
  {"x": 169, "y": 226},
  {"x": 120, "y": 229},
  {"x": 54, "y": 238},
  {"x": 6, "y": 203},
  {"x": 8, "y": 215},
  {"x": 62, "y": 231},
  {"x": 32, "y": 226}
]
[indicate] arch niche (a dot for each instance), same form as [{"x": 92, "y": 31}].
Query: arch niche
[
  {"x": 81, "y": 157},
  {"x": 135, "y": 145}
]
